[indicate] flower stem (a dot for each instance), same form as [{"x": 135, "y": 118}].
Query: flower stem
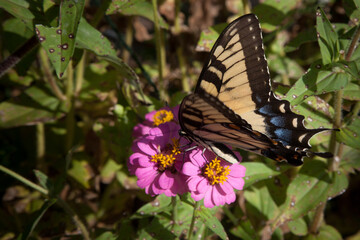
[
  {"x": 80, "y": 68},
  {"x": 160, "y": 51},
  {"x": 353, "y": 44},
  {"x": 40, "y": 146},
  {"x": 23, "y": 180},
  {"x": 318, "y": 218},
  {"x": 192, "y": 225},
  {"x": 174, "y": 211},
  {"x": 48, "y": 76},
  {"x": 70, "y": 117},
  {"x": 75, "y": 218}
]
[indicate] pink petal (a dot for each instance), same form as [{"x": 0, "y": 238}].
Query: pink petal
[
  {"x": 230, "y": 198},
  {"x": 203, "y": 186},
  {"x": 218, "y": 196},
  {"x": 197, "y": 196},
  {"x": 193, "y": 182},
  {"x": 237, "y": 183},
  {"x": 237, "y": 170},
  {"x": 190, "y": 169},
  {"x": 226, "y": 188},
  {"x": 208, "y": 199},
  {"x": 166, "y": 180},
  {"x": 146, "y": 148},
  {"x": 145, "y": 176}
]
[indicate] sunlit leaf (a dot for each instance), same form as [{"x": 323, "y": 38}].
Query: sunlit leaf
[
  {"x": 80, "y": 171},
  {"x": 59, "y": 42},
  {"x": 210, "y": 220},
  {"x": 326, "y": 232},
  {"x": 298, "y": 227},
  {"x": 257, "y": 171},
  {"x": 160, "y": 204},
  {"x": 208, "y": 37}
]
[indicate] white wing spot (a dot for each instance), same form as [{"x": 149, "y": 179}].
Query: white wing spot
[
  {"x": 254, "y": 37},
  {"x": 295, "y": 122},
  {"x": 256, "y": 48},
  {"x": 302, "y": 137},
  {"x": 258, "y": 58},
  {"x": 249, "y": 19},
  {"x": 251, "y": 28},
  {"x": 282, "y": 108}
]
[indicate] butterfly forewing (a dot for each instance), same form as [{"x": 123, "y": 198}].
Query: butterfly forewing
[{"x": 233, "y": 103}]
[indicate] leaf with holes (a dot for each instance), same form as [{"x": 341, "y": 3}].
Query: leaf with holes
[
  {"x": 208, "y": 218},
  {"x": 59, "y": 42},
  {"x": 308, "y": 189},
  {"x": 319, "y": 80},
  {"x": 257, "y": 171},
  {"x": 327, "y": 38}
]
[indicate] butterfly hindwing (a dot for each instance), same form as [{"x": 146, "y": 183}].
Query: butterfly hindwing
[{"x": 233, "y": 103}]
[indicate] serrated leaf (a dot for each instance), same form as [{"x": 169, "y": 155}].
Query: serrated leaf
[
  {"x": 36, "y": 104},
  {"x": 350, "y": 134},
  {"x": 318, "y": 80},
  {"x": 298, "y": 227},
  {"x": 308, "y": 35},
  {"x": 308, "y": 189},
  {"x": 327, "y": 38},
  {"x": 59, "y": 42},
  {"x": 257, "y": 171},
  {"x": 212, "y": 223},
  {"x": 47, "y": 204},
  {"x": 135, "y": 7},
  {"x": 245, "y": 230}
]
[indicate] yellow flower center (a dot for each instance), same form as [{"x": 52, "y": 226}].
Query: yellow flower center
[
  {"x": 163, "y": 116},
  {"x": 166, "y": 158},
  {"x": 215, "y": 172}
]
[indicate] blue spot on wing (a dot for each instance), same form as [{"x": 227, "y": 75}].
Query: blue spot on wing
[
  {"x": 278, "y": 121},
  {"x": 284, "y": 135},
  {"x": 267, "y": 110}
]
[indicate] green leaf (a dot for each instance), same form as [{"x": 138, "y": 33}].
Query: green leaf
[
  {"x": 326, "y": 232},
  {"x": 160, "y": 204},
  {"x": 81, "y": 172},
  {"x": 350, "y": 160},
  {"x": 135, "y": 7},
  {"x": 44, "y": 180},
  {"x": 59, "y": 42},
  {"x": 19, "y": 9},
  {"x": 298, "y": 227},
  {"x": 340, "y": 183},
  {"x": 352, "y": 92},
  {"x": 245, "y": 230},
  {"x": 327, "y": 38},
  {"x": 308, "y": 189},
  {"x": 272, "y": 12},
  {"x": 36, "y": 104},
  {"x": 209, "y": 36},
  {"x": 306, "y": 36},
  {"x": 260, "y": 203},
  {"x": 285, "y": 66},
  {"x": 319, "y": 80},
  {"x": 39, "y": 214},
  {"x": 350, "y": 134},
  {"x": 212, "y": 223},
  {"x": 257, "y": 171},
  {"x": 108, "y": 235},
  {"x": 352, "y": 9}
]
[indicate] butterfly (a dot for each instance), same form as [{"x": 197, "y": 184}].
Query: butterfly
[{"x": 233, "y": 103}]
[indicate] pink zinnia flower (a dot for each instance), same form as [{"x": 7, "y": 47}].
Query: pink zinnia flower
[
  {"x": 215, "y": 180},
  {"x": 154, "y": 119},
  {"x": 157, "y": 162}
]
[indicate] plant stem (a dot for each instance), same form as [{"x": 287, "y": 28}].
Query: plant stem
[
  {"x": 40, "y": 146},
  {"x": 23, "y": 180},
  {"x": 179, "y": 48},
  {"x": 353, "y": 44},
  {"x": 15, "y": 57},
  {"x": 174, "y": 211},
  {"x": 192, "y": 225},
  {"x": 48, "y": 76},
  {"x": 80, "y": 69},
  {"x": 70, "y": 117},
  {"x": 318, "y": 218},
  {"x": 75, "y": 218},
  {"x": 128, "y": 39},
  {"x": 160, "y": 51}
]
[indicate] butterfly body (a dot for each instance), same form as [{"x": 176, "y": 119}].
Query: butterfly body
[{"x": 233, "y": 103}]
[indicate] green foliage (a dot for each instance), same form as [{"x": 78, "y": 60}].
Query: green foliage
[{"x": 69, "y": 103}]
